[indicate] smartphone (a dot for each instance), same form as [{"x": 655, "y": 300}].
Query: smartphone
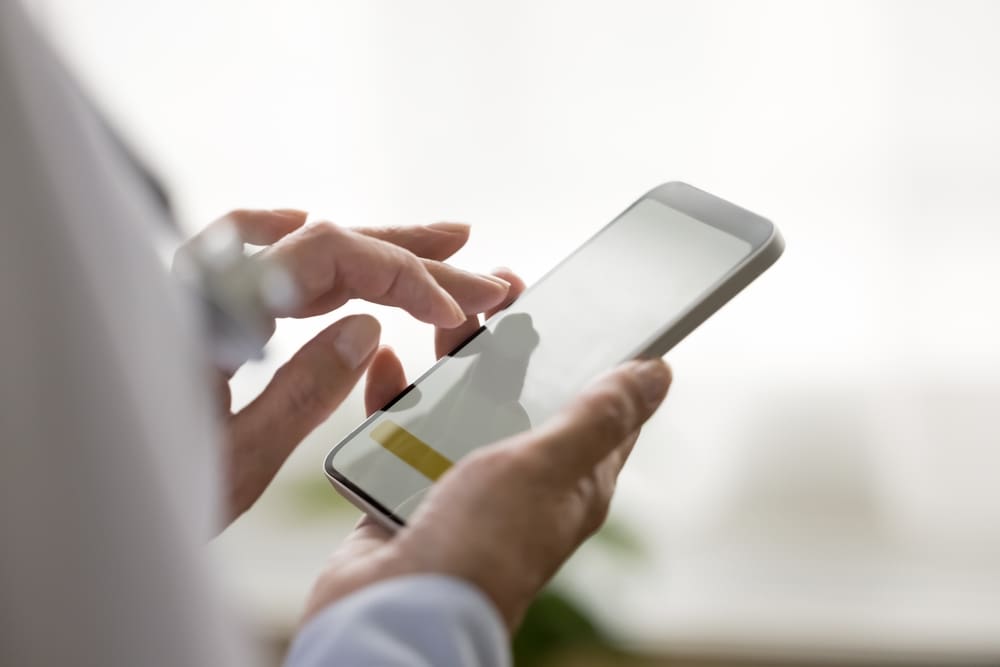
[{"x": 635, "y": 289}]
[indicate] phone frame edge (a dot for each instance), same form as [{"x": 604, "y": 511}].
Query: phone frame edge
[
  {"x": 759, "y": 260},
  {"x": 382, "y": 517},
  {"x": 718, "y": 296}
]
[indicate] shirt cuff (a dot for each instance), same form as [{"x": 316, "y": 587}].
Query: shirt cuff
[{"x": 428, "y": 619}]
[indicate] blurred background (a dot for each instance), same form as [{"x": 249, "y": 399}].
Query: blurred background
[{"x": 824, "y": 480}]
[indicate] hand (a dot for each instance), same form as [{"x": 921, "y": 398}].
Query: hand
[
  {"x": 329, "y": 265},
  {"x": 506, "y": 516}
]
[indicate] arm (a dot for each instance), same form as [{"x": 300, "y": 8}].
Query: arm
[
  {"x": 105, "y": 490},
  {"x": 500, "y": 522},
  {"x": 415, "y": 621},
  {"x": 107, "y": 441}
]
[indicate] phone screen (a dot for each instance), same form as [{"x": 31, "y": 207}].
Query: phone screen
[{"x": 593, "y": 311}]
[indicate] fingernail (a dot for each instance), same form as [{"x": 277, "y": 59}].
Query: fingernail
[
  {"x": 357, "y": 339},
  {"x": 291, "y": 213},
  {"x": 450, "y": 227},
  {"x": 495, "y": 280},
  {"x": 654, "y": 380}
]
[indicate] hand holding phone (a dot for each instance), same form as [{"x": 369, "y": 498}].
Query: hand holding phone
[
  {"x": 633, "y": 290},
  {"x": 507, "y": 516},
  {"x": 504, "y": 517}
]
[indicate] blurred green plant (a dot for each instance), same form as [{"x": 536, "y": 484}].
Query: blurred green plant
[
  {"x": 619, "y": 538},
  {"x": 310, "y": 498},
  {"x": 555, "y": 624}
]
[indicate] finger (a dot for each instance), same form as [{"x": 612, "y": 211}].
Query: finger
[
  {"x": 605, "y": 479},
  {"x": 330, "y": 265},
  {"x": 222, "y": 391},
  {"x": 438, "y": 241},
  {"x": 447, "y": 340},
  {"x": 359, "y": 544},
  {"x": 474, "y": 292},
  {"x": 607, "y": 471},
  {"x": 601, "y": 419},
  {"x": 369, "y": 529},
  {"x": 301, "y": 395},
  {"x": 386, "y": 379},
  {"x": 619, "y": 456},
  {"x": 260, "y": 227},
  {"x": 515, "y": 290},
  {"x": 230, "y": 232}
]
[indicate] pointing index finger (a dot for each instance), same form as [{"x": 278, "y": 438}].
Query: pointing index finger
[
  {"x": 438, "y": 241},
  {"x": 331, "y": 265},
  {"x": 446, "y": 340}
]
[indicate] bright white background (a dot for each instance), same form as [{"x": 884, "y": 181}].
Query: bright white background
[{"x": 825, "y": 470}]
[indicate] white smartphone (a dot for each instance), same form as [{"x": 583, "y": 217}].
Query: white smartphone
[{"x": 635, "y": 289}]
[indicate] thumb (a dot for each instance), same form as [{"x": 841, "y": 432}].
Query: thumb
[
  {"x": 299, "y": 398},
  {"x": 602, "y": 418}
]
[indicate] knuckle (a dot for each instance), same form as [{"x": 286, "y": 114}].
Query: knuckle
[
  {"x": 237, "y": 214},
  {"x": 409, "y": 279},
  {"x": 530, "y": 462},
  {"x": 399, "y": 268},
  {"x": 611, "y": 414},
  {"x": 631, "y": 391},
  {"x": 302, "y": 394},
  {"x": 316, "y": 258},
  {"x": 493, "y": 458},
  {"x": 595, "y": 502},
  {"x": 606, "y": 481},
  {"x": 381, "y": 231},
  {"x": 323, "y": 229},
  {"x": 501, "y": 460},
  {"x": 410, "y": 262},
  {"x": 597, "y": 514}
]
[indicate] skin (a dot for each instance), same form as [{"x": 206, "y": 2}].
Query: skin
[
  {"x": 505, "y": 517},
  {"x": 330, "y": 265}
]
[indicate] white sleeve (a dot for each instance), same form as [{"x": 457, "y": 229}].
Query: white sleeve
[
  {"x": 106, "y": 431},
  {"x": 416, "y": 621}
]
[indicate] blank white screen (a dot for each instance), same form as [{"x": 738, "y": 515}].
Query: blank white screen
[{"x": 593, "y": 311}]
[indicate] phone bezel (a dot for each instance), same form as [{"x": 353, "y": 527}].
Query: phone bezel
[{"x": 766, "y": 246}]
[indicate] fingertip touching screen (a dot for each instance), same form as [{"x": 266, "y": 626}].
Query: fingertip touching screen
[{"x": 593, "y": 311}]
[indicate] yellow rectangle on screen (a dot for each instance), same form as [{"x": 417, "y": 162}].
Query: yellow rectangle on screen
[{"x": 428, "y": 461}]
